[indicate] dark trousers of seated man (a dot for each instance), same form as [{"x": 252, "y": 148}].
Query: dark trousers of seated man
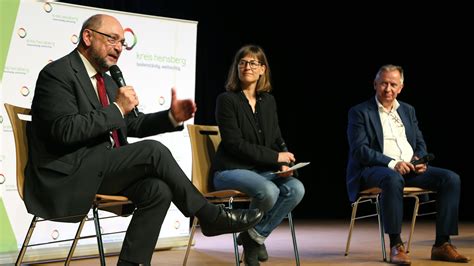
[
  {"x": 147, "y": 174},
  {"x": 446, "y": 183}
]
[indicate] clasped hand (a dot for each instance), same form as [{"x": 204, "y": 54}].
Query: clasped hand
[
  {"x": 285, "y": 157},
  {"x": 405, "y": 167}
]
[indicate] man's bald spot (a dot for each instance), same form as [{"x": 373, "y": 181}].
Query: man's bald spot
[{"x": 95, "y": 22}]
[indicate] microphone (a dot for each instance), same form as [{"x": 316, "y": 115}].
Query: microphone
[
  {"x": 423, "y": 159},
  {"x": 284, "y": 148},
  {"x": 118, "y": 78}
]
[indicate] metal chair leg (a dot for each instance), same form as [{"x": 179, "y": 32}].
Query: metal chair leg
[
  {"x": 234, "y": 237},
  {"x": 19, "y": 259},
  {"x": 293, "y": 235},
  {"x": 191, "y": 237},
  {"x": 355, "y": 205},
  {"x": 100, "y": 245},
  {"x": 351, "y": 226},
  {"x": 413, "y": 219},
  {"x": 416, "y": 209},
  {"x": 74, "y": 242},
  {"x": 190, "y": 242},
  {"x": 236, "y": 249},
  {"x": 381, "y": 229}
]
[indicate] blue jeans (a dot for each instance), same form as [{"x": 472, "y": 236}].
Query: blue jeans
[{"x": 276, "y": 196}]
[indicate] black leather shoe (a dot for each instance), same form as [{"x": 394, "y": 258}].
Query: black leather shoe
[
  {"x": 251, "y": 249},
  {"x": 122, "y": 262},
  {"x": 262, "y": 254},
  {"x": 231, "y": 221}
]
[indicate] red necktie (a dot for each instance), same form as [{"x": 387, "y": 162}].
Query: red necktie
[{"x": 105, "y": 102}]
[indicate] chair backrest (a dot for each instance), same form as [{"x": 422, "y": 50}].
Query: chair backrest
[
  {"x": 204, "y": 143},
  {"x": 19, "y": 116}
]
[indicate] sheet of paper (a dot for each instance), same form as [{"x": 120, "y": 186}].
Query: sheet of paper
[{"x": 294, "y": 167}]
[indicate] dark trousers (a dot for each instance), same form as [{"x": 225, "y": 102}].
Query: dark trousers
[
  {"x": 147, "y": 174},
  {"x": 446, "y": 183}
]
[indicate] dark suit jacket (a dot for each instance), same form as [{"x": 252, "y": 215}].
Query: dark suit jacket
[
  {"x": 365, "y": 136},
  {"x": 68, "y": 136},
  {"x": 242, "y": 145}
]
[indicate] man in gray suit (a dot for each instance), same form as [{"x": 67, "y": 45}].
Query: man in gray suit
[{"x": 72, "y": 157}]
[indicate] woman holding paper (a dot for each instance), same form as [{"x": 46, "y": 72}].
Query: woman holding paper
[{"x": 252, "y": 149}]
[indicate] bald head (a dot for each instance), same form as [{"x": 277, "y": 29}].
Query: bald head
[
  {"x": 101, "y": 41},
  {"x": 96, "y": 22},
  {"x": 93, "y": 22}
]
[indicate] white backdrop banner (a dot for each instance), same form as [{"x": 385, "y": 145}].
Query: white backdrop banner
[{"x": 160, "y": 54}]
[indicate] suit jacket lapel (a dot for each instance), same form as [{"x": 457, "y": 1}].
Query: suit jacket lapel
[
  {"x": 86, "y": 85},
  {"x": 111, "y": 89},
  {"x": 84, "y": 79},
  {"x": 375, "y": 121},
  {"x": 406, "y": 123}
]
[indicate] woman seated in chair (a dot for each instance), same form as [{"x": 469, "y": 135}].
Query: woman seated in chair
[{"x": 252, "y": 149}]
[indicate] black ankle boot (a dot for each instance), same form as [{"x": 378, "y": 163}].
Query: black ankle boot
[
  {"x": 121, "y": 262},
  {"x": 261, "y": 252},
  {"x": 251, "y": 249}
]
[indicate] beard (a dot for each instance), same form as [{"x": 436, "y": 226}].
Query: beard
[{"x": 100, "y": 61}]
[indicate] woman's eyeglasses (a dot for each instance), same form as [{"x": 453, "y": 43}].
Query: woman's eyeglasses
[{"x": 253, "y": 64}]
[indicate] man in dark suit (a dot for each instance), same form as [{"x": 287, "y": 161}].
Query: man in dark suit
[
  {"x": 384, "y": 139},
  {"x": 72, "y": 157}
]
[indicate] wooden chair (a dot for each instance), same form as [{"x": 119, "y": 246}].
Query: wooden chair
[
  {"x": 204, "y": 143},
  {"x": 19, "y": 117},
  {"x": 372, "y": 195}
]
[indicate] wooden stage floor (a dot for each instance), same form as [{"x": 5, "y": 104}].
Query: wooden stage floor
[{"x": 320, "y": 242}]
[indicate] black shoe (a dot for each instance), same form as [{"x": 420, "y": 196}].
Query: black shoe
[
  {"x": 251, "y": 249},
  {"x": 122, "y": 262},
  {"x": 231, "y": 221},
  {"x": 262, "y": 254}
]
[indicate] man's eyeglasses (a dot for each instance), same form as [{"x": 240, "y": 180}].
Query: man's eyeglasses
[
  {"x": 111, "y": 39},
  {"x": 395, "y": 119},
  {"x": 253, "y": 64}
]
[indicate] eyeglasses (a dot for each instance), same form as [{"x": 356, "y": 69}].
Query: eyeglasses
[
  {"x": 253, "y": 64},
  {"x": 396, "y": 120},
  {"x": 111, "y": 39}
]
